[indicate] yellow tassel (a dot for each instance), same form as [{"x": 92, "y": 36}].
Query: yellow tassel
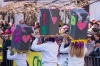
[
  {"x": 85, "y": 41},
  {"x": 79, "y": 40}
]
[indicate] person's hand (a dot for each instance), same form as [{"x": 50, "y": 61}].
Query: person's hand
[
  {"x": 31, "y": 40},
  {"x": 32, "y": 34}
]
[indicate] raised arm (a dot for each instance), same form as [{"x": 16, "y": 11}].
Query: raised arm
[
  {"x": 11, "y": 57},
  {"x": 36, "y": 47},
  {"x": 62, "y": 45},
  {"x": 64, "y": 50}
]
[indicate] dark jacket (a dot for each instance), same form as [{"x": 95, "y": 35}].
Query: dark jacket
[{"x": 6, "y": 44}]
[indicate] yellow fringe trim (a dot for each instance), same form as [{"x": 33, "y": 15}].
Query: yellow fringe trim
[{"x": 80, "y": 40}]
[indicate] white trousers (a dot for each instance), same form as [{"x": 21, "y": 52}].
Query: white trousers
[
  {"x": 63, "y": 60},
  {"x": 50, "y": 64}
]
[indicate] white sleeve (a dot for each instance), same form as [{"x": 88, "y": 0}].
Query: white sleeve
[
  {"x": 11, "y": 57},
  {"x": 33, "y": 29},
  {"x": 36, "y": 47},
  {"x": 85, "y": 50},
  {"x": 62, "y": 45},
  {"x": 64, "y": 50}
]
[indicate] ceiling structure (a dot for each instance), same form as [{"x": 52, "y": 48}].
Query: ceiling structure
[
  {"x": 30, "y": 7},
  {"x": 15, "y": 5}
]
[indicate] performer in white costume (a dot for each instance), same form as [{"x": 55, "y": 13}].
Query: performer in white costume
[
  {"x": 49, "y": 51},
  {"x": 76, "y": 54},
  {"x": 63, "y": 57}
]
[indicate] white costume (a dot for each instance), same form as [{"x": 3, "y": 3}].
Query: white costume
[
  {"x": 19, "y": 58},
  {"x": 49, "y": 52},
  {"x": 74, "y": 61},
  {"x": 63, "y": 57}
]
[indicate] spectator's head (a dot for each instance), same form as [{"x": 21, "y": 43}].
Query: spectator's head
[
  {"x": 91, "y": 24},
  {"x": 37, "y": 32},
  {"x": 97, "y": 43},
  {"x": 98, "y": 22},
  {"x": 97, "y": 36},
  {"x": 90, "y": 38},
  {"x": 66, "y": 31},
  {"x": 6, "y": 37},
  {"x": 93, "y": 20},
  {"x": 95, "y": 30}
]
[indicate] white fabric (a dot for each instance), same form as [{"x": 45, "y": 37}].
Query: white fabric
[
  {"x": 49, "y": 52},
  {"x": 18, "y": 18},
  {"x": 63, "y": 58},
  {"x": 74, "y": 61},
  {"x": 62, "y": 45},
  {"x": 50, "y": 64},
  {"x": 19, "y": 58}
]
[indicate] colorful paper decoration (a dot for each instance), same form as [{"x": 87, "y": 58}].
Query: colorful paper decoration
[
  {"x": 21, "y": 37},
  {"x": 25, "y": 38},
  {"x": 73, "y": 21},
  {"x": 17, "y": 38},
  {"x": 78, "y": 24},
  {"x": 81, "y": 25},
  {"x": 49, "y": 21},
  {"x": 54, "y": 20}
]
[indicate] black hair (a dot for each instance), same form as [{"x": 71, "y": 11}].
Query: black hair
[
  {"x": 98, "y": 41},
  {"x": 51, "y": 39},
  {"x": 91, "y": 37},
  {"x": 98, "y": 35},
  {"x": 91, "y": 23},
  {"x": 59, "y": 25},
  {"x": 66, "y": 31},
  {"x": 95, "y": 29}
]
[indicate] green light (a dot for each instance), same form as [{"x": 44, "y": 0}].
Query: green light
[{"x": 43, "y": 29}]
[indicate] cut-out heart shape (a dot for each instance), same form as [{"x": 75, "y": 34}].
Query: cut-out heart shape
[
  {"x": 25, "y": 38},
  {"x": 81, "y": 25},
  {"x": 54, "y": 19}
]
